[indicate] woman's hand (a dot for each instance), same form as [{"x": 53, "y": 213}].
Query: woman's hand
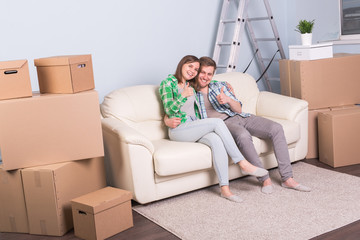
[
  {"x": 172, "y": 122},
  {"x": 188, "y": 91}
]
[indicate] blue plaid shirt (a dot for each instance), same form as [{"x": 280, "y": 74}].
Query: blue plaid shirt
[{"x": 214, "y": 90}]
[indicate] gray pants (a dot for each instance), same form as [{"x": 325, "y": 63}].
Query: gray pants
[{"x": 242, "y": 130}]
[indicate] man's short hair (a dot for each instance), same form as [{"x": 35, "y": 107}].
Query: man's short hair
[{"x": 207, "y": 61}]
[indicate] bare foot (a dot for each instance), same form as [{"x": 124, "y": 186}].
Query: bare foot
[
  {"x": 225, "y": 191},
  {"x": 246, "y": 166},
  {"x": 291, "y": 183},
  {"x": 267, "y": 182}
]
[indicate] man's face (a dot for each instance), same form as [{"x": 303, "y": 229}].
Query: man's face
[{"x": 205, "y": 76}]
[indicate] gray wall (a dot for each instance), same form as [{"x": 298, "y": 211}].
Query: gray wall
[{"x": 140, "y": 42}]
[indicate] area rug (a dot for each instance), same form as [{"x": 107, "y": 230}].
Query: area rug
[{"x": 285, "y": 214}]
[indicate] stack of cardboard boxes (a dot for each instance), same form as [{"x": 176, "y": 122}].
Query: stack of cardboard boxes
[
  {"x": 331, "y": 86},
  {"x": 51, "y": 143}
]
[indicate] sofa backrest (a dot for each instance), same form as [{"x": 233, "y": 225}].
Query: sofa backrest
[
  {"x": 141, "y": 108},
  {"x": 245, "y": 88},
  {"x": 138, "y": 106}
]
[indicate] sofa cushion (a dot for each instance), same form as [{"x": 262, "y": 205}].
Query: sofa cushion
[{"x": 171, "y": 157}]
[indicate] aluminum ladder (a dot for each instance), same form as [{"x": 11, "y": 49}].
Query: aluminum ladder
[{"x": 230, "y": 50}]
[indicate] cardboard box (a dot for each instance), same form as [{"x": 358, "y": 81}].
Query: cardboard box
[
  {"x": 311, "y": 52},
  {"x": 50, "y": 128},
  {"x": 65, "y": 74},
  {"x": 339, "y": 137},
  {"x": 322, "y": 83},
  {"x": 313, "y": 145},
  {"x": 102, "y": 214},
  {"x": 14, "y": 79},
  {"x": 13, "y": 217},
  {"x": 49, "y": 190}
]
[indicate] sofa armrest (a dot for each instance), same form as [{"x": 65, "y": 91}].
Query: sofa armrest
[
  {"x": 126, "y": 134},
  {"x": 129, "y": 160},
  {"x": 279, "y": 106},
  {"x": 289, "y": 108}
]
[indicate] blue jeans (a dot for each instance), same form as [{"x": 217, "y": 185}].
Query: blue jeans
[{"x": 214, "y": 133}]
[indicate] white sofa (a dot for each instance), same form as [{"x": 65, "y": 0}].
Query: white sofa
[{"x": 140, "y": 158}]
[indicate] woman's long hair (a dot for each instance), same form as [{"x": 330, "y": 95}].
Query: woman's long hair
[{"x": 184, "y": 60}]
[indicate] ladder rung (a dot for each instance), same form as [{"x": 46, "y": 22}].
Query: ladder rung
[
  {"x": 221, "y": 66},
  {"x": 265, "y": 39},
  {"x": 257, "y": 18},
  {"x": 228, "y": 20},
  {"x": 224, "y": 43}
]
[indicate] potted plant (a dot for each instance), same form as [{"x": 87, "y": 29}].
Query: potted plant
[{"x": 305, "y": 28}]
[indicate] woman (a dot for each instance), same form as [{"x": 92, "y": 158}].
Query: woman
[{"x": 180, "y": 101}]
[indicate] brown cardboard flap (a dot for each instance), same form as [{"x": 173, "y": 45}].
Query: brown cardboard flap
[{"x": 12, "y": 64}]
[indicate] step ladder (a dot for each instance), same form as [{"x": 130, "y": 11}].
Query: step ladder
[{"x": 226, "y": 53}]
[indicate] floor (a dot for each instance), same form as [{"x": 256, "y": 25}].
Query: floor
[{"x": 144, "y": 229}]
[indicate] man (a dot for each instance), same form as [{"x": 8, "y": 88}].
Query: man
[{"x": 217, "y": 101}]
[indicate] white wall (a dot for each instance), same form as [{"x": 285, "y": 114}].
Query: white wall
[
  {"x": 140, "y": 42},
  {"x": 131, "y": 42}
]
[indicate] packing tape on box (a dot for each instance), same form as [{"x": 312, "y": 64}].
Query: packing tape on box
[
  {"x": 12, "y": 224},
  {"x": 43, "y": 227},
  {"x": 37, "y": 179}
]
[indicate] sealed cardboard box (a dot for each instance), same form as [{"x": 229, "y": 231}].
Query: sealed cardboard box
[
  {"x": 310, "y": 52},
  {"x": 13, "y": 217},
  {"x": 339, "y": 137},
  {"x": 322, "y": 83},
  {"x": 50, "y": 128},
  {"x": 102, "y": 214},
  {"x": 313, "y": 145},
  {"x": 49, "y": 190},
  {"x": 14, "y": 79},
  {"x": 65, "y": 74}
]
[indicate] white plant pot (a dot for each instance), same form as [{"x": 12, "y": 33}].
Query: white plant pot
[{"x": 306, "y": 39}]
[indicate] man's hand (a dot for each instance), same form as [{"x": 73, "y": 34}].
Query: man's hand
[
  {"x": 172, "y": 122},
  {"x": 188, "y": 91},
  {"x": 222, "y": 97}
]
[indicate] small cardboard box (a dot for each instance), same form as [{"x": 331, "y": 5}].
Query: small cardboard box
[
  {"x": 14, "y": 79},
  {"x": 49, "y": 190},
  {"x": 13, "y": 216},
  {"x": 311, "y": 52},
  {"x": 322, "y": 83},
  {"x": 102, "y": 214},
  {"x": 65, "y": 74},
  {"x": 50, "y": 128},
  {"x": 339, "y": 137}
]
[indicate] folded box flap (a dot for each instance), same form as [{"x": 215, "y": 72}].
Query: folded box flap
[
  {"x": 62, "y": 60},
  {"x": 16, "y": 64}
]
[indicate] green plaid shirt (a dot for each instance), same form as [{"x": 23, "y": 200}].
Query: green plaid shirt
[{"x": 173, "y": 101}]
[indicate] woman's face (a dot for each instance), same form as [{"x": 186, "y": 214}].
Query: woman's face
[{"x": 190, "y": 70}]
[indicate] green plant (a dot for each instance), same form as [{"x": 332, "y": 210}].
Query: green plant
[{"x": 305, "y": 26}]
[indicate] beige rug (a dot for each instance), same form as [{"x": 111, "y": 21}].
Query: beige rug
[{"x": 285, "y": 214}]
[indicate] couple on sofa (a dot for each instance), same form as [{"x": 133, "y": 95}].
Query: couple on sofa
[{"x": 201, "y": 110}]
